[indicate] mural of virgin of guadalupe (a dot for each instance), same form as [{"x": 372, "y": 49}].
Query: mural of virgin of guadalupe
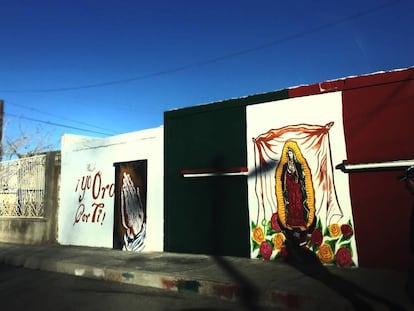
[{"x": 294, "y": 190}]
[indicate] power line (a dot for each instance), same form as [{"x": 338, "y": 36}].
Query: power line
[
  {"x": 216, "y": 59},
  {"x": 60, "y": 117},
  {"x": 57, "y": 124}
]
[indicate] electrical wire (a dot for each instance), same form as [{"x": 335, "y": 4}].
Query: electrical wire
[
  {"x": 60, "y": 117},
  {"x": 56, "y": 124},
  {"x": 213, "y": 60}
]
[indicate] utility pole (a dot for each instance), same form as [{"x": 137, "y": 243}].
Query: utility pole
[{"x": 1, "y": 128}]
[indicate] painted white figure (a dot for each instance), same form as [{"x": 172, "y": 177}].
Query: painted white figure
[{"x": 132, "y": 211}]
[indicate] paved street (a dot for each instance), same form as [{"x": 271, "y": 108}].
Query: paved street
[{"x": 27, "y": 289}]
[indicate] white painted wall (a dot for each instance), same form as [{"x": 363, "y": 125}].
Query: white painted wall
[{"x": 86, "y": 159}]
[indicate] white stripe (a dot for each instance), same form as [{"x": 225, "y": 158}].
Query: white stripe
[
  {"x": 215, "y": 174},
  {"x": 376, "y": 165}
]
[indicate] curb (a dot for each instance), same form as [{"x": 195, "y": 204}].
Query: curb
[{"x": 284, "y": 300}]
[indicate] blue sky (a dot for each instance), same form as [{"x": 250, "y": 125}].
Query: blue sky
[{"x": 105, "y": 67}]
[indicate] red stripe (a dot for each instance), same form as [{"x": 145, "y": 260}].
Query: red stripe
[{"x": 350, "y": 83}]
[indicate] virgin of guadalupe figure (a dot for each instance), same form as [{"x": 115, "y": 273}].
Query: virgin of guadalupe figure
[
  {"x": 294, "y": 194},
  {"x": 294, "y": 189}
]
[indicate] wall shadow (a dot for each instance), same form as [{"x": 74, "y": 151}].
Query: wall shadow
[
  {"x": 306, "y": 261},
  {"x": 247, "y": 294},
  {"x": 300, "y": 258}
]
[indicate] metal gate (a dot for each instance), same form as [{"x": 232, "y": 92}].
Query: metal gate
[{"x": 22, "y": 187}]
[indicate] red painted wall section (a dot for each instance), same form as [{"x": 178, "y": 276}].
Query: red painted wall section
[
  {"x": 378, "y": 124},
  {"x": 378, "y": 114},
  {"x": 380, "y": 78}
]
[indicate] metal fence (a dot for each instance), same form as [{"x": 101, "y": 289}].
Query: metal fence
[{"x": 22, "y": 187}]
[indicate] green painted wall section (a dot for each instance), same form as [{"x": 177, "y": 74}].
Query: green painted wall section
[{"x": 208, "y": 215}]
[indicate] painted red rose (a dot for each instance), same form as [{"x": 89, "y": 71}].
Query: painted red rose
[
  {"x": 274, "y": 224},
  {"x": 344, "y": 257},
  {"x": 346, "y": 230},
  {"x": 317, "y": 237},
  {"x": 266, "y": 250}
]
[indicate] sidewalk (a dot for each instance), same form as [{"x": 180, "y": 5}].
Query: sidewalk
[{"x": 254, "y": 283}]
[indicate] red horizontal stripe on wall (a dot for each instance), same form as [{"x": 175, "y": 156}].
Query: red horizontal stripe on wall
[{"x": 379, "y": 78}]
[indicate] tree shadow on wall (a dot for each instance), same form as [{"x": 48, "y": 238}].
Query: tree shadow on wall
[{"x": 247, "y": 294}]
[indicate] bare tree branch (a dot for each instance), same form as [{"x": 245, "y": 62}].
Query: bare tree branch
[{"x": 26, "y": 142}]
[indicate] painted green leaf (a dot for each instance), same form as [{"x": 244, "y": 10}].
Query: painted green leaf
[
  {"x": 271, "y": 232},
  {"x": 268, "y": 228},
  {"x": 348, "y": 246},
  {"x": 319, "y": 225},
  {"x": 332, "y": 244},
  {"x": 343, "y": 238},
  {"x": 326, "y": 232},
  {"x": 255, "y": 245},
  {"x": 254, "y": 226}
]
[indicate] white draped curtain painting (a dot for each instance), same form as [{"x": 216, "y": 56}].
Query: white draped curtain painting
[{"x": 293, "y": 147}]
